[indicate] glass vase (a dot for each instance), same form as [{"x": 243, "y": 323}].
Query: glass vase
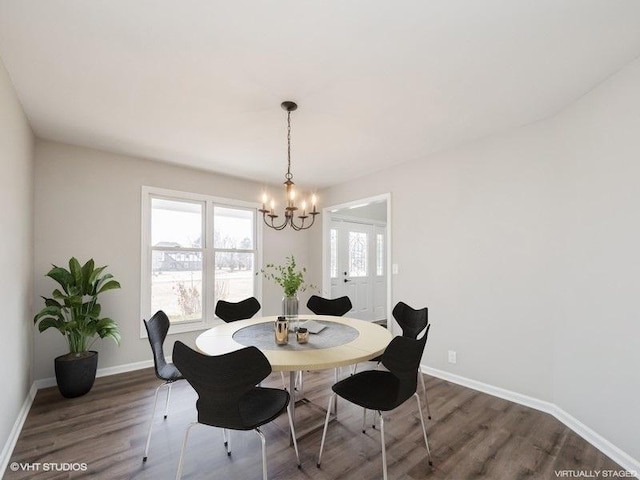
[{"x": 290, "y": 311}]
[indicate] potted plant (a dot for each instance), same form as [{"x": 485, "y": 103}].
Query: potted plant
[
  {"x": 291, "y": 280},
  {"x": 75, "y": 312}
]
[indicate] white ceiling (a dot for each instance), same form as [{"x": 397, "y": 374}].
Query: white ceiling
[{"x": 378, "y": 82}]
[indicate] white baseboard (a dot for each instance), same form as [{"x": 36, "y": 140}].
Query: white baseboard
[
  {"x": 605, "y": 446},
  {"x": 17, "y": 428}
]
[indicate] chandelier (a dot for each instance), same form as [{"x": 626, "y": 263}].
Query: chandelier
[{"x": 268, "y": 214}]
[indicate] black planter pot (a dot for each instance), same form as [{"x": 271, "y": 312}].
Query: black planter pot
[{"x": 75, "y": 374}]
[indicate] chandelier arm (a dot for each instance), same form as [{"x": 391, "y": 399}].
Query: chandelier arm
[
  {"x": 313, "y": 219},
  {"x": 297, "y": 228},
  {"x": 273, "y": 225}
]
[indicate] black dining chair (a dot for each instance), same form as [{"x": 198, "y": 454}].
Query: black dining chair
[
  {"x": 233, "y": 311},
  {"x": 157, "y": 328},
  {"x": 327, "y": 306},
  {"x": 228, "y": 397},
  {"x": 336, "y": 307},
  {"x": 383, "y": 391},
  {"x": 413, "y": 322}
]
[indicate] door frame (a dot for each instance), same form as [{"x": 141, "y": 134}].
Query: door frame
[{"x": 326, "y": 221}]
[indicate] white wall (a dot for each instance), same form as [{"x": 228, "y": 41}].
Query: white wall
[
  {"x": 470, "y": 240},
  {"x": 597, "y": 348},
  {"x": 16, "y": 252},
  {"x": 524, "y": 246},
  {"x": 87, "y": 204}
]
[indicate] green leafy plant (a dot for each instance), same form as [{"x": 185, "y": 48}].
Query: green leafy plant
[
  {"x": 290, "y": 279},
  {"x": 75, "y": 310}
]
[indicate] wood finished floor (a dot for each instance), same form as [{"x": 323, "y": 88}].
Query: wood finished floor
[{"x": 472, "y": 435}]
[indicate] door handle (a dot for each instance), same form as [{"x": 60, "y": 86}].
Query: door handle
[{"x": 346, "y": 280}]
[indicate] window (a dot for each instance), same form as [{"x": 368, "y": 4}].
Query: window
[
  {"x": 379, "y": 254},
  {"x": 333, "y": 255},
  {"x": 176, "y": 259},
  {"x": 358, "y": 252},
  {"x": 235, "y": 254},
  {"x": 196, "y": 250}
]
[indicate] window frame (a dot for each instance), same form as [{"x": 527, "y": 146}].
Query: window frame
[{"x": 208, "y": 254}]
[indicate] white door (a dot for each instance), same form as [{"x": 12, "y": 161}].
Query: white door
[{"x": 356, "y": 253}]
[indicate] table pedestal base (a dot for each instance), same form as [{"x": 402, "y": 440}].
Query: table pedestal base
[{"x": 305, "y": 429}]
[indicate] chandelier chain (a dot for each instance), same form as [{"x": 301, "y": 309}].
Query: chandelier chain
[{"x": 288, "y": 176}]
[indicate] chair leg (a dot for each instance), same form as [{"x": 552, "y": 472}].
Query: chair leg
[
  {"x": 424, "y": 393},
  {"x": 364, "y": 419},
  {"x": 226, "y": 437},
  {"x": 301, "y": 383},
  {"x": 293, "y": 434},
  {"x": 336, "y": 375},
  {"x": 166, "y": 405},
  {"x": 384, "y": 452},
  {"x": 264, "y": 453},
  {"x": 153, "y": 415},
  {"x": 184, "y": 444},
  {"x": 424, "y": 431},
  {"x": 324, "y": 431}
]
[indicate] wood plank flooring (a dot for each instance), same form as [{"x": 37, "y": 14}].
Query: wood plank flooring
[{"x": 472, "y": 435}]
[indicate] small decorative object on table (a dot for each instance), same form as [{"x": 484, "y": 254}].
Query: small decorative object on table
[
  {"x": 292, "y": 282},
  {"x": 302, "y": 335},
  {"x": 282, "y": 331}
]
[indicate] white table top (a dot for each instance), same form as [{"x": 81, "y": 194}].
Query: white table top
[{"x": 371, "y": 341}]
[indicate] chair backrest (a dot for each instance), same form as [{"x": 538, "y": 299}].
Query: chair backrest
[
  {"x": 220, "y": 381},
  {"x": 410, "y": 320},
  {"x": 157, "y": 328},
  {"x": 230, "y": 311},
  {"x": 326, "y": 306},
  {"x": 402, "y": 358}
]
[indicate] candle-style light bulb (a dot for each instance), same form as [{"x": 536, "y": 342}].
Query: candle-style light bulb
[
  {"x": 304, "y": 207},
  {"x": 264, "y": 200},
  {"x": 313, "y": 202},
  {"x": 273, "y": 206}
]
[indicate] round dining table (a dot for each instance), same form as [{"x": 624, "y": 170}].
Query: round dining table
[{"x": 341, "y": 341}]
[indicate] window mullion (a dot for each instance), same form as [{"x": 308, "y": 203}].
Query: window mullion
[{"x": 209, "y": 271}]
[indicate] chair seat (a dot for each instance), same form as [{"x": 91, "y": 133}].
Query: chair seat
[
  {"x": 169, "y": 373},
  {"x": 256, "y": 407},
  {"x": 371, "y": 389}
]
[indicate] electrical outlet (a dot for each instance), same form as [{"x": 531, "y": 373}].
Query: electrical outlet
[{"x": 452, "y": 356}]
